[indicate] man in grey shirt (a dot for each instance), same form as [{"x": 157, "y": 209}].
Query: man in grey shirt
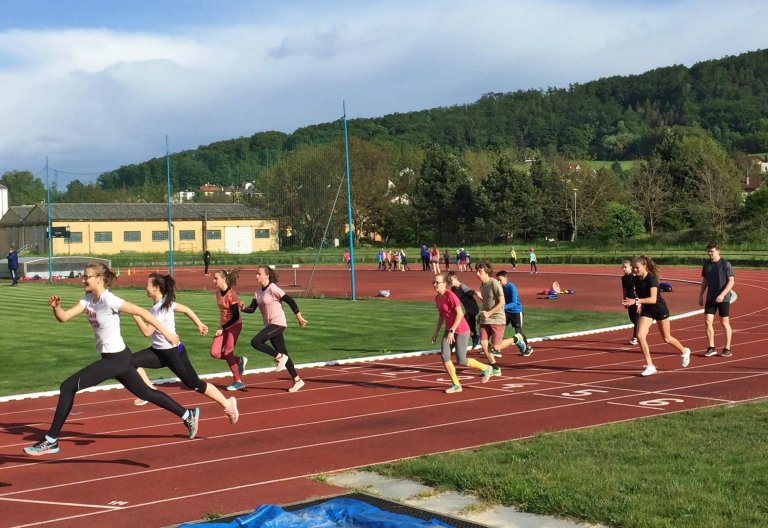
[{"x": 717, "y": 281}]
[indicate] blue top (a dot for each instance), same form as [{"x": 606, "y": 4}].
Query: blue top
[
  {"x": 511, "y": 300},
  {"x": 13, "y": 260}
]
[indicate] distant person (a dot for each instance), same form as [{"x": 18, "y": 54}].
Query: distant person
[
  {"x": 513, "y": 311},
  {"x": 225, "y": 338},
  {"x": 347, "y": 260},
  {"x": 162, "y": 290},
  {"x": 513, "y": 258},
  {"x": 717, "y": 281},
  {"x": 425, "y": 256},
  {"x": 652, "y": 308},
  {"x": 447, "y": 259},
  {"x": 456, "y": 333},
  {"x": 13, "y": 265},
  {"x": 206, "y": 260},
  {"x": 102, "y": 309},
  {"x": 380, "y": 260},
  {"x": 628, "y": 292},
  {"x": 533, "y": 259},
  {"x": 461, "y": 260},
  {"x": 269, "y": 299},
  {"x": 434, "y": 259},
  {"x": 404, "y": 261},
  {"x": 491, "y": 316}
]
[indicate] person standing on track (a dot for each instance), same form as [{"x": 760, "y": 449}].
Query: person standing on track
[
  {"x": 534, "y": 260},
  {"x": 225, "y": 339},
  {"x": 103, "y": 309},
  {"x": 206, "y": 260},
  {"x": 628, "y": 290},
  {"x": 269, "y": 297},
  {"x": 652, "y": 308},
  {"x": 162, "y": 290},
  {"x": 456, "y": 333},
  {"x": 434, "y": 259},
  {"x": 513, "y": 258},
  {"x": 717, "y": 281},
  {"x": 466, "y": 295}
]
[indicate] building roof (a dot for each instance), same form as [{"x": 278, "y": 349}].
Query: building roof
[{"x": 73, "y": 212}]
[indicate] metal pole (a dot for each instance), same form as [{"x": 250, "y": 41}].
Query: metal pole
[
  {"x": 50, "y": 237},
  {"x": 574, "y": 214},
  {"x": 350, "y": 230},
  {"x": 170, "y": 218}
]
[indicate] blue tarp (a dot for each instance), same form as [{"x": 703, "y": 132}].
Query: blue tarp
[{"x": 334, "y": 513}]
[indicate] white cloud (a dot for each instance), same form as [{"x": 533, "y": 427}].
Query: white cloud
[{"x": 94, "y": 99}]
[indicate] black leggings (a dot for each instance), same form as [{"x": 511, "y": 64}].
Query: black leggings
[
  {"x": 472, "y": 322},
  {"x": 633, "y": 318},
  {"x": 273, "y": 334},
  {"x": 114, "y": 365},
  {"x": 177, "y": 362}
]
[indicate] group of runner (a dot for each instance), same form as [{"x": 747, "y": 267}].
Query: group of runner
[{"x": 103, "y": 309}]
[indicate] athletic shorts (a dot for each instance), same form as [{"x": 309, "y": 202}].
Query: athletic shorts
[
  {"x": 722, "y": 309},
  {"x": 492, "y": 332},
  {"x": 655, "y": 312}
]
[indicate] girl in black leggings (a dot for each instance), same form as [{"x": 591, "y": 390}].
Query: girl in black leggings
[
  {"x": 162, "y": 290},
  {"x": 103, "y": 308}
]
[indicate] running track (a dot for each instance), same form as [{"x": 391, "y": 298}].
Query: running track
[{"x": 123, "y": 466}]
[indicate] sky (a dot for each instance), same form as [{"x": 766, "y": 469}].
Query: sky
[{"x": 92, "y": 85}]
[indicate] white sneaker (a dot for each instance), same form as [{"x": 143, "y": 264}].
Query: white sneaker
[
  {"x": 138, "y": 402},
  {"x": 232, "y": 413},
  {"x": 296, "y": 386},
  {"x": 649, "y": 370},
  {"x": 685, "y": 359},
  {"x": 280, "y": 363},
  {"x": 633, "y": 341}
]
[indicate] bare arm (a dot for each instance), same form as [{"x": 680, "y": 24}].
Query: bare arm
[
  {"x": 186, "y": 310},
  {"x": 62, "y": 315},
  {"x": 728, "y": 287},
  {"x": 144, "y": 328},
  {"x": 132, "y": 309}
]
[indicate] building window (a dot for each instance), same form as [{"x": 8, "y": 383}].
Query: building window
[
  {"x": 262, "y": 233},
  {"x": 187, "y": 234},
  {"x": 102, "y": 236},
  {"x": 131, "y": 236},
  {"x": 213, "y": 234},
  {"x": 159, "y": 236},
  {"x": 75, "y": 237}
]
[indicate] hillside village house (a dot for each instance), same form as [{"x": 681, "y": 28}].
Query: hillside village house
[{"x": 111, "y": 228}]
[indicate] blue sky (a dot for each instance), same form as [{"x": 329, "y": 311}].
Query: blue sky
[{"x": 93, "y": 85}]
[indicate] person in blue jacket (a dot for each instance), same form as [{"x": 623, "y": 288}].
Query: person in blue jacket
[
  {"x": 513, "y": 309},
  {"x": 13, "y": 265}
]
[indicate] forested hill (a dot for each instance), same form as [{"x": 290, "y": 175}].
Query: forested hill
[{"x": 615, "y": 118}]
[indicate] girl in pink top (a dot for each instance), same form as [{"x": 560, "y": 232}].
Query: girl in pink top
[
  {"x": 456, "y": 335},
  {"x": 225, "y": 339},
  {"x": 269, "y": 298}
]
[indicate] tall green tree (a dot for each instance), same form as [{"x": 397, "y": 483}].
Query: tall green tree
[{"x": 23, "y": 188}]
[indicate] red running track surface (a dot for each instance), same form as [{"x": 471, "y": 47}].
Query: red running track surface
[{"x": 123, "y": 466}]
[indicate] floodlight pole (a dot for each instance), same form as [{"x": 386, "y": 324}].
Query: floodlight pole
[
  {"x": 574, "y": 215},
  {"x": 350, "y": 230},
  {"x": 170, "y": 218}
]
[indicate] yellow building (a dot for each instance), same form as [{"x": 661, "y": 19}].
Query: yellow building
[{"x": 111, "y": 228}]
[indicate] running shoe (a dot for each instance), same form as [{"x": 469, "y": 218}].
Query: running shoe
[
  {"x": 280, "y": 362},
  {"x": 685, "y": 359},
  {"x": 138, "y": 402},
  {"x": 496, "y": 371},
  {"x": 726, "y": 352},
  {"x": 520, "y": 342},
  {"x": 528, "y": 350},
  {"x": 232, "y": 413},
  {"x": 494, "y": 352},
  {"x": 192, "y": 421},
  {"x": 296, "y": 386},
  {"x": 236, "y": 385},
  {"x": 633, "y": 341},
  {"x": 453, "y": 389},
  {"x": 649, "y": 370},
  {"x": 711, "y": 351},
  {"x": 241, "y": 365},
  {"x": 487, "y": 373},
  {"x": 43, "y": 447}
]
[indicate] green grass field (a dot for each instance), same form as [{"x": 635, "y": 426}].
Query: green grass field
[{"x": 35, "y": 342}]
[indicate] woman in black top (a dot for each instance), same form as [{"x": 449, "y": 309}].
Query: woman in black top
[
  {"x": 628, "y": 289},
  {"x": 652, "y": 308}
]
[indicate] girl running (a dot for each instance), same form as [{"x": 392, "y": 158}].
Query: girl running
[
  {"x": 103, "y": 308},
  {"x": 628, "y": 288},
  {"x": 450, "y": 312},
  {"x": 225, "y": 338},
  {"x": 162, "y": 290},
  {"x": 652, "y": 308},
  {"x": 269, "y": 298}
]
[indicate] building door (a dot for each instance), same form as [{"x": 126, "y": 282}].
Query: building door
[{"x": 238, "y": 240}]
